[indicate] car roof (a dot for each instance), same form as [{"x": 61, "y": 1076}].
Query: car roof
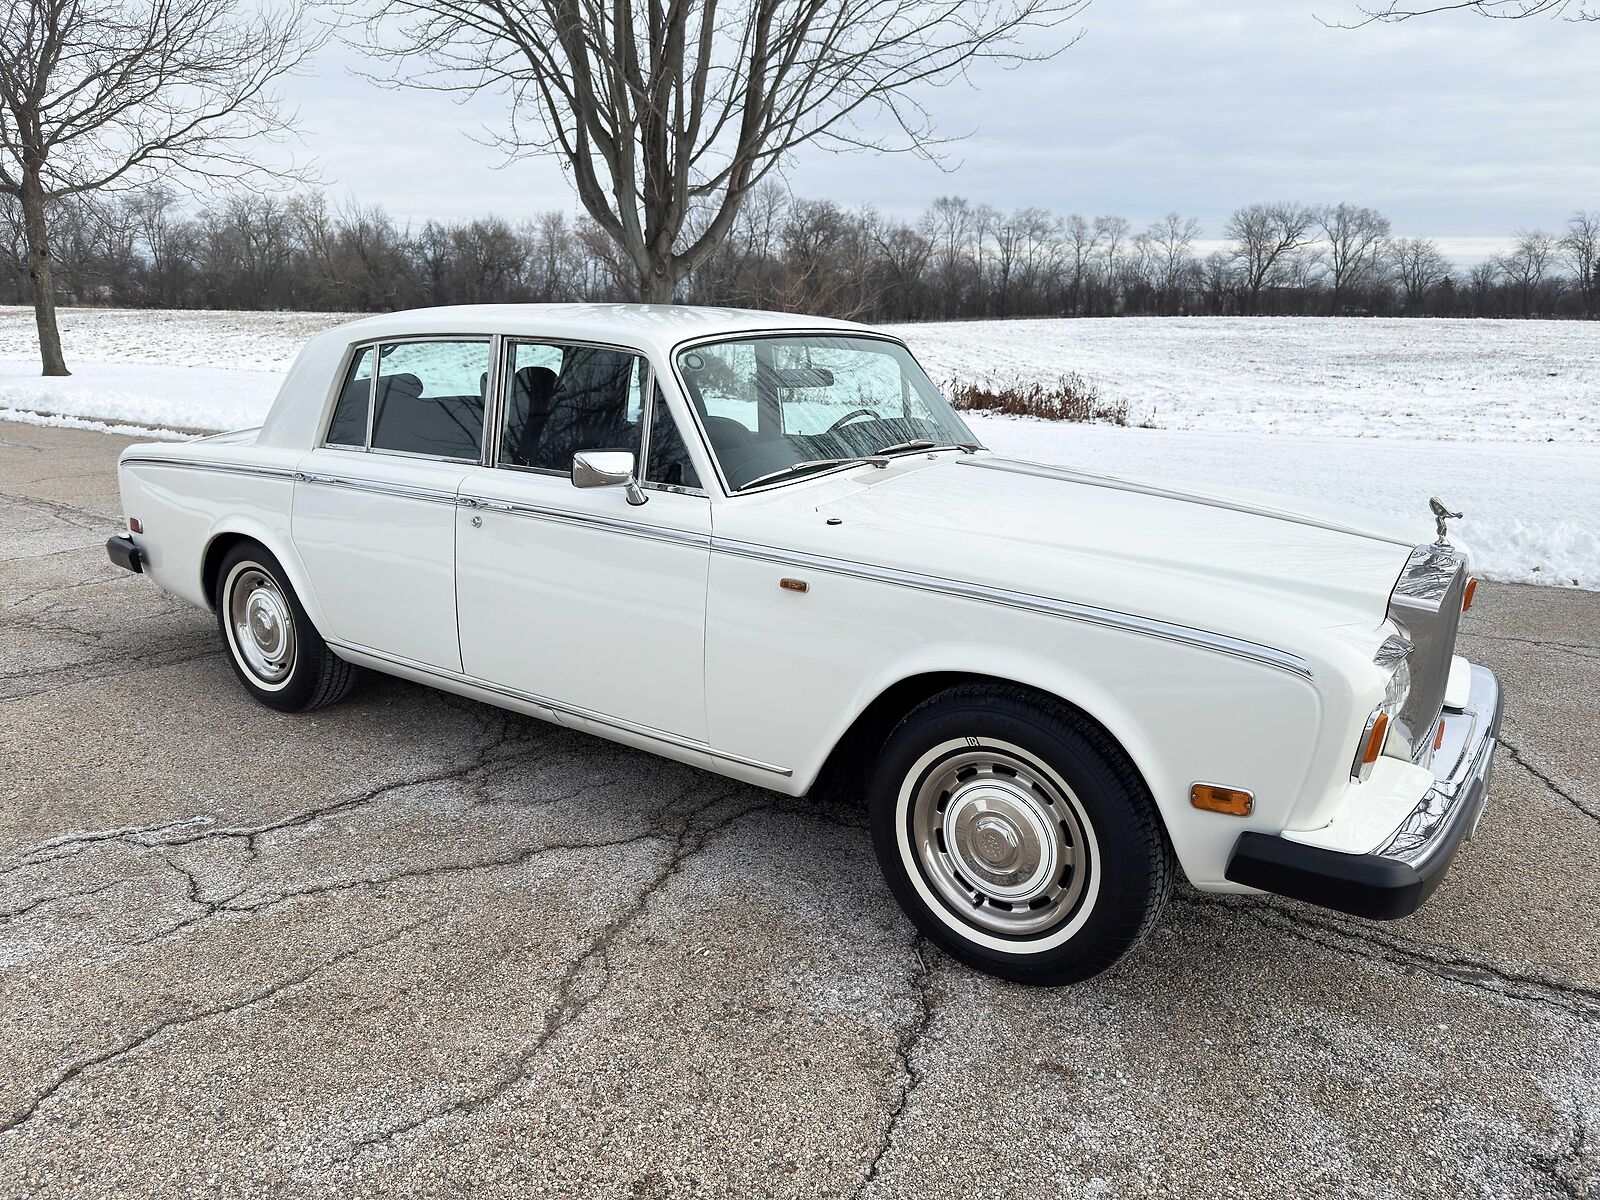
[
  {"x": 657, "y": 327},
  {"x": 648, "y": 328}
]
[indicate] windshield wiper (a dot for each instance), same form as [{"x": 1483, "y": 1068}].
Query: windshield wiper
[
  {"x": 906, "y": 447},
  {"x": 924, "y": 444},
  {"x": 813, "y": 464}
]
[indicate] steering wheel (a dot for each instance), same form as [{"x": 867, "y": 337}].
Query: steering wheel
[{"x": 851, "y": 416}]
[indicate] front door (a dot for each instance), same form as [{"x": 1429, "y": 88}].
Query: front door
[
  {"x": 575, "y": 595},
  {"x": 374, "y": 508}
]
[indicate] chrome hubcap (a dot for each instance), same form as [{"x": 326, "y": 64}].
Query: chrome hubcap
[
  {"x": 1001, "y": 842},
  {"x": 262, "y": 625}
]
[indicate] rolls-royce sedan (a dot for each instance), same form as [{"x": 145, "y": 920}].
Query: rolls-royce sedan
[{"x": 767, "y": 546}]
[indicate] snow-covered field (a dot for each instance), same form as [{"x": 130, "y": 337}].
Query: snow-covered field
[{"x": 1501, "y": 419}]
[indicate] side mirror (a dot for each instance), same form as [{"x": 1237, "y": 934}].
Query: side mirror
[{"x": 607, "y": 468}]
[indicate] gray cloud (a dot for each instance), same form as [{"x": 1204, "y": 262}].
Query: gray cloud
[{"x": 1458, "y": 128}]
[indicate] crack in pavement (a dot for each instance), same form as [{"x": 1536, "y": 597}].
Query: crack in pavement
[
  {"x": 67, "y": 514},
  {"x": 568, "y": 1005},
  {"x": 110, "y": 1054},
  {"x": 11, "y": 914},
  {"x": 911, "y": 1076},
  {"x": 1451, "y": 965},
  {"x": 1521, "y": 761}
]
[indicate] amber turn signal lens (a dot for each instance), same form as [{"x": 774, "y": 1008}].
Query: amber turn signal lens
[
  {"x": 1438, "y": 734},
  {"x": 134, "y": 526},
  {"x": 1466, "y": 596},
  {"x": 1235, "y": 802},
  {"x": 1374, "y": 746}
]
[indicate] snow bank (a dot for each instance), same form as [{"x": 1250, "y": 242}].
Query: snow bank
[{"x": 1499, "y": 419}]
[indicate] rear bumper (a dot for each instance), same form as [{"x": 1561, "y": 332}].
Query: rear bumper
[
  {"x": 1401, "y": 872},
  {"x": 125, "y": 554}
]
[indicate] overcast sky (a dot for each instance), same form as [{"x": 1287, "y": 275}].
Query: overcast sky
[{"x": 1458, "y": 128}]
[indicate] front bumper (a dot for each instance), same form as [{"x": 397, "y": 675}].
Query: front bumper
[{"x": 1401, "y": 872}]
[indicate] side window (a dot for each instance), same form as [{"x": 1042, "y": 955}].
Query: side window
[
  {"x": 349, "y": 424},
  {"x": 562, "y": 399},
  {"x": 430, "y": 398},
  {"x": 668, "y": 460}
]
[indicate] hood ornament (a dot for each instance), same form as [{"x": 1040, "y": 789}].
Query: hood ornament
[{"x": 1441, "y": 518}]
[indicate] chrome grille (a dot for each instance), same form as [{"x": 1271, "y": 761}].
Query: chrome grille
[{"x": 1426, "y": 605}]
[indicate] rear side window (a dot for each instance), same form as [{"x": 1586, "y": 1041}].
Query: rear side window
[
  {"x": 429, "y": 398},
  {"x": 349, "y": 424}
]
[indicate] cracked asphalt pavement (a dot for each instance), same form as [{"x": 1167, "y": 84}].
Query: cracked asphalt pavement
[{"x": 412, "y": 944}]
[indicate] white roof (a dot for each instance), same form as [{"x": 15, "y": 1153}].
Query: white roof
[
  {"x": 650, "y": 328},
  {"x": 657, "y": 327}
]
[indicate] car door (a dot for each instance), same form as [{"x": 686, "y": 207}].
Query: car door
[
  {"x": 374, "y": 505},
  {"x": 575, "y": 595}
]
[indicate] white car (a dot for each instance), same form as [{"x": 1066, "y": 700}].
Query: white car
[{"x": 765, "y": 545}]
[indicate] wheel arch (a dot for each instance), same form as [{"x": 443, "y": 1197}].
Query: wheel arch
[
  {"x": 227, "y": 534},
  {"x": 853, "y": 752}
]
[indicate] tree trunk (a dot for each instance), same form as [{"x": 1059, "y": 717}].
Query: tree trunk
[
  {"x": 656, "y": 285},
  {"x": 39, "y": 275}
]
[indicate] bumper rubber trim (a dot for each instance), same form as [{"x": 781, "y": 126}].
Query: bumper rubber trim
[{"x": 125, "y": 554}]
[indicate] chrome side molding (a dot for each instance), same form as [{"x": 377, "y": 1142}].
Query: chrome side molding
[{"x": 1109, "y": 618}]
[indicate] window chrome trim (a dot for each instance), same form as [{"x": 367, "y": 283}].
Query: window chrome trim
[
  {"x": 1117, "y": 483},
  {"x": 775, "y": 332},
  {"x": 1108, "y": 618},
  {"x": 560, "y": 708}
]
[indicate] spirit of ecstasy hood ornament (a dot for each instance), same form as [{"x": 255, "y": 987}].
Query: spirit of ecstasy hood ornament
[{"x": 1441, "y": 517}]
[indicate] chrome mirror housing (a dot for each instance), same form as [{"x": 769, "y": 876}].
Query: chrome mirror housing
[{"x": 607, "y": 468}]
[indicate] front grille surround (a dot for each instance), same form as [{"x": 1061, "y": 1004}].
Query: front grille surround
[{"x": 1426, "y": 605}]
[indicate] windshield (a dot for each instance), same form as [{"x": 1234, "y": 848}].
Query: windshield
[{"x": 787, "y": 405}]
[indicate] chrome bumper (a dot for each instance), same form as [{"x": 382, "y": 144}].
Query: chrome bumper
[{"x": 1401, "y": 872}]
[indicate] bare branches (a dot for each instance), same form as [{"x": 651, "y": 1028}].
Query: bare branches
[
  {"x": 107, "y": 94},
  {"x": 95, "y": 93},
  {"x": 1498, "y": 10},
  {"x": 669, "y": 113}
]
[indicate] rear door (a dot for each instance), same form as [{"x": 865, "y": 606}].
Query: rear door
[{"x": 374, "y": 506}]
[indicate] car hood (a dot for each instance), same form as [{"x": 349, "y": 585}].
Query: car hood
[{"x": 1219, "y": 558}]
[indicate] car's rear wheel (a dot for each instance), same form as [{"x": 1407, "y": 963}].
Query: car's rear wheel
[
  {"x": 272, "y": 646},
  {"x": 1017, "y": 835}
]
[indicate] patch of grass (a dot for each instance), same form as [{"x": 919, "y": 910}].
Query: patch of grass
[{"x": 1070, "y": 398}]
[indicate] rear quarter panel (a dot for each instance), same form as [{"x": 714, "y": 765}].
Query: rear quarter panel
[{"x": 188, "y": 495}]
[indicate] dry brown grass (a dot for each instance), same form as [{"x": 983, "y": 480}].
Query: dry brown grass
[{"x": 1070, "y": 398}]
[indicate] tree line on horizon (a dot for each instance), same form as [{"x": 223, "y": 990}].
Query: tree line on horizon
[{"x": 262, "y": 250}]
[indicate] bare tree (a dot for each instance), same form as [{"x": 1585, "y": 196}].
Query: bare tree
[
  {"x": 1419, "y": 266},
  {"x": 1354, "y": 237},
  {"x": 1526, "y": 265},
  {"x": 1266, "y": 240},
  {"x": 1171, "y": 242},
  {"x": 97, "y": 94},
  {"x": 1581, "y": 248},
  {"x": 674, "y": 107}
]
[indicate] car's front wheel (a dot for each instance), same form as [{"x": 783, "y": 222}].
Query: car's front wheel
[
  {"x": 272, "y": 646},
  {"x": 1017, "y": 835}
]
